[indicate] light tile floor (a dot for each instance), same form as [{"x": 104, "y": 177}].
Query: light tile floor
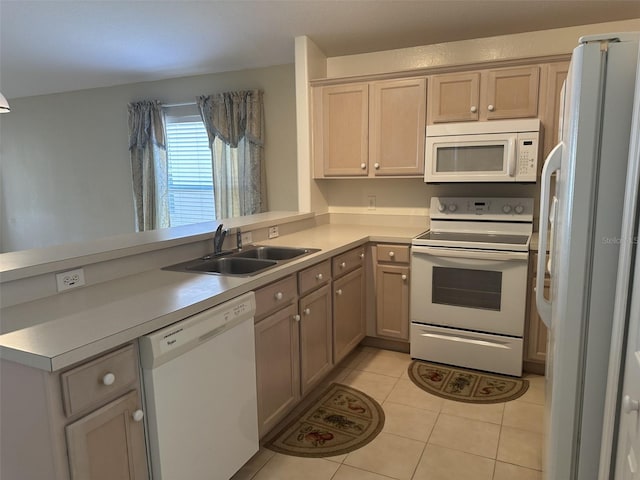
[{"x": 425, "y": 437}]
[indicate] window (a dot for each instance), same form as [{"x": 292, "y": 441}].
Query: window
[{"x": 190, "y": 183}]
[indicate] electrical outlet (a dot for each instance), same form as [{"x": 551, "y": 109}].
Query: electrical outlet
[
  {"x": 371, "y": 202},
  {"x": 70, "y": 279},
  {"x": 246, "y": 238},
  {"x": 273, "y": 231}
]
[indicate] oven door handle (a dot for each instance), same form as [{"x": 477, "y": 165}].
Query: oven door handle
[
  {"x": 473, "y": 254},
  {"x": 551, "y": 165}
]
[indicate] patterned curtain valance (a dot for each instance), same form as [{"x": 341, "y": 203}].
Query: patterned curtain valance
[{"x": 231, "y": 116}]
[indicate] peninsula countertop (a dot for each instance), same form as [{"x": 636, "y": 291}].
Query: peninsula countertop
[{"x": 73, "y": 326}]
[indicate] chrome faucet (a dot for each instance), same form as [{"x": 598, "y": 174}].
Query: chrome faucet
[{"x": 218, "y": 239}]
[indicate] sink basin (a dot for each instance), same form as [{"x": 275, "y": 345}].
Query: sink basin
[
  {"x": 242, "y": 263},
  {"x": 273, "y": 253},
  {"x": 231, "y": 266}
]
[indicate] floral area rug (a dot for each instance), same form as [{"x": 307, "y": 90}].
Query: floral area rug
[
  {"x": 464, "y": 385},
  {"x": 340, "y": 421}
]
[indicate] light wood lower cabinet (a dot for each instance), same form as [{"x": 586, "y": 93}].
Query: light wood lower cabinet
[
  {"x": 83, "y": 423},
  {"x": 392, "y": 291},
  {"x": 109, "y": 443},
  {"x": 315, "y": 338},
  {"x": 277, "y": 366},
  {"x": 535, "y": 349},
  {"x": 392, "y": 301},
  {"x": 348, "y": 313}
]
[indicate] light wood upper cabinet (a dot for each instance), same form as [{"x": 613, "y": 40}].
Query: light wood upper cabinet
[
  {"x": 494, "y": 94},
  {"x": 454, "y": 97},
  {"x": 397, "y": 125},
  {"x": 555, "y": 75},
  {"x": 341, "y": 130},
  {"x": 511, "y": 93},
  {"x": 370, "y": 129}
]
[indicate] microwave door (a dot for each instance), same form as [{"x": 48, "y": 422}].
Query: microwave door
[{"x": 480, "y": 158}]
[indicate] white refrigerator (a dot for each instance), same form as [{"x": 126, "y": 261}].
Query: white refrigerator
[{"x": 581, "y": 222}]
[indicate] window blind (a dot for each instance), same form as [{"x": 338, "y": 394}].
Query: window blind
[{"x": 190, "y": 183}]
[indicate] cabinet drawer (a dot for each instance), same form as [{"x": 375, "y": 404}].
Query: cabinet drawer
[
  {"x": 314, "y": 276},
  {"x": 393, "y": 253},
  {"x": 90, "y": 384},
  {"x": 275, "y": 296},
  {"x": 348, "y": 261}
]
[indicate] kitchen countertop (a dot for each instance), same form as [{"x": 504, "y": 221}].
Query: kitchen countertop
[{"x": 73, "y": 326}]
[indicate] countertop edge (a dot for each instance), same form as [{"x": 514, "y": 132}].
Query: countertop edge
[{"x": 14, "y": 345}]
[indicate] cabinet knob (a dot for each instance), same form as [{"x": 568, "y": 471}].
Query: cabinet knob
[
  {"x": 138, "y": 415},
  {"x": 363, "y": 166},
  {"x": 108, "y": 379},
  {"x": 630, "y": 405},
  {"x": 362, "y": 255},
  {"x": 278, "y": 296},
  {"x": 307, "y": 311},
  {"x": 491, "y": 108},
  {"x": 343, "y": 264},
  {"x": 319, "y": 276},
  {"x": 474, "y": 109},
  {"x": 339, "y": 291},
  {"x": 376, "y": 166},
  {"x": 392, "y": 254},
  {"x": 404, "y": 277},
  {"x": 296, "y": 317}
]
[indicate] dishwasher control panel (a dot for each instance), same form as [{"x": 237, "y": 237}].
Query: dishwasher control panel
[{"x": 162, "y": 345}]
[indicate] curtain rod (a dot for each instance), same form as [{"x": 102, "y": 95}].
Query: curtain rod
[{"x": 184, "y": 104}]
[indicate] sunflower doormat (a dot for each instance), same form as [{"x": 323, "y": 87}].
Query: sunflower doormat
[{"x": 343, "y": 419}]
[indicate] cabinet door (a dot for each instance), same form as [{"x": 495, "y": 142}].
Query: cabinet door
[
  {"x": 277, "y": 366},
  {"x": 348, "y": 313},
  {"x": 511, "y": 93},
  {"x": 397, "y": 126},
  {"x": 341, "y": 130},
  {"x": 108, "y": 443},
  {"x": 315, "y": 337},
  {"x": 556, "y": 74},
  {"x": 537, "y": 335},
  {"x": 454, "y": 97},
  {"x": 392, "y": 301}
]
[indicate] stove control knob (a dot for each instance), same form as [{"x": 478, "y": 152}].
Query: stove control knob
[
  {"x": 453, "y": 207},
  {"x": 519, "y": 209},
  {"x": 442, "y": 207},
  {"x": 506, "y": 208}
]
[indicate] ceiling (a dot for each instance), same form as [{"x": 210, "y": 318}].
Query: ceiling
[{"x": 53, "y": 46}]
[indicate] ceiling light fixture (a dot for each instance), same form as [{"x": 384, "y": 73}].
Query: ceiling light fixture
[{"x": 4, "y": 105}]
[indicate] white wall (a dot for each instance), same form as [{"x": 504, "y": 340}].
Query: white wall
[{"x": 64, "y": 163}]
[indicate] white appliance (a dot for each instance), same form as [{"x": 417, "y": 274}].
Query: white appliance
[
  {"x": 469, "y": 283},
  {"x": 585, "y": 211},
  {"x": 200, "y": 393},
  {"x": 494, "y": 151}
]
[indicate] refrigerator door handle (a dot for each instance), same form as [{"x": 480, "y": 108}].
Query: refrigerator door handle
[{"x": 551, "y": 165}]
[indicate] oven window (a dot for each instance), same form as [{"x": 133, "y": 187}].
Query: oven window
[
  {"x": 462, "y": 287},
  {"x": 473, "y": 158}
]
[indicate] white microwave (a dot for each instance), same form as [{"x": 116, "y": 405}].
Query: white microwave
[{"x": 492, "y": 151}]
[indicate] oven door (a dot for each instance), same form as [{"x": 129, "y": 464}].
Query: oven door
[{"x": 482, "y": 291}]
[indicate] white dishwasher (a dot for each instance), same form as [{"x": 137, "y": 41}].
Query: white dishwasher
[{"x": 200, "y": 392}]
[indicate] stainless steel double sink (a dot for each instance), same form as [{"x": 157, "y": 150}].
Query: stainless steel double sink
[{"x": 242, "y": 263}]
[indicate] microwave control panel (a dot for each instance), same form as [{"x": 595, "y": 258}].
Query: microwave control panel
[{"x": 527, "y": 157}]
